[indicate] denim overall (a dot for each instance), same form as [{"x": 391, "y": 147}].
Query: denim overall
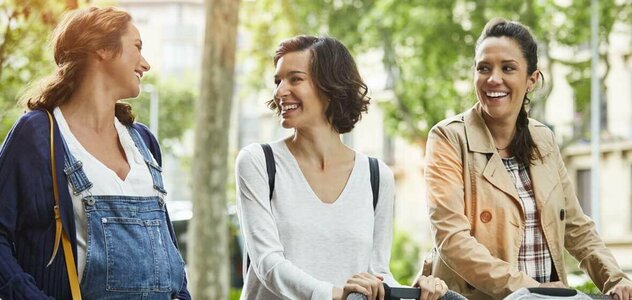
[{"x": 130, "y": 253}]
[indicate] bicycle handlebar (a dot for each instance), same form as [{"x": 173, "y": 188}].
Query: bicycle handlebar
[{"x": 397, "y": 293}]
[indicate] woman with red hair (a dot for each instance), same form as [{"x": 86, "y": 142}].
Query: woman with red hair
[{"x": 78, "y": 171}]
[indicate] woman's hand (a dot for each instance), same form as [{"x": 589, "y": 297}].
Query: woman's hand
[
  {"x": 432, "y": 288},
  {"x": 553, "y": 284},
  {"x": 367, "y": 284},
  {"x": 621, "y": 292}
]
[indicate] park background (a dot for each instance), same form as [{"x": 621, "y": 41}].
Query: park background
[{"x": 212, "y": 72}]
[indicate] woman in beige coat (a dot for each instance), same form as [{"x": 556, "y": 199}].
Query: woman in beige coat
[{"x": 501, "y": 203}]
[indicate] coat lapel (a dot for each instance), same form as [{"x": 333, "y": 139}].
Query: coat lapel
[
  {"x": 498, "y": 176},
  {"x": 480, "y": 140},
  {"x": 544, "y": 177}
]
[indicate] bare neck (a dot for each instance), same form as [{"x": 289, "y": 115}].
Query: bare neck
[
  {"x": 502, "y": 131},
  {"x": 320, "y": 147},
  {"x": 90, "y": 107}
]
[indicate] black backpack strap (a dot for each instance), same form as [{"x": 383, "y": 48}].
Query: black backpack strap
[
  {"x": 270, "y": 167},
  {"x": 375, "y": 179}
]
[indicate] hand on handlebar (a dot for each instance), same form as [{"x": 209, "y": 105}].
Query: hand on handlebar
[
  {"x": 364, "y": 283},
  {"x": 621, "y": 292},
  {"x": 432, "y": 288}
]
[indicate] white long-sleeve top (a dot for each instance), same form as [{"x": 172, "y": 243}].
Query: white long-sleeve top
[{"x": 301, "y": 247}]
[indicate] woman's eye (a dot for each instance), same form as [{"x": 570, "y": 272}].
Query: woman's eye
[
  {"x": 509, "y": 68},
  {"x": 276, "y": 82},
  {"x": 296, "y": 79},
  {"x": 482, "y": 69}
]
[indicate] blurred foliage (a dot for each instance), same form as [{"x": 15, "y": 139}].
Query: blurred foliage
[
  {"x": 24, "y": 29},
  {"x": 235, "y": 294},
  {"x": 176, "y": 103},
  {"x": 405, "y": 258},
  {"x": 427, "y": 47},
  {"x": 571, "y": 264},
  {"x": 588, "y": 288}
]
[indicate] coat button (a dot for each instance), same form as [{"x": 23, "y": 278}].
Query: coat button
[
  {"x": 486, "y": 216},
  {"x": 562, "y": 214}
]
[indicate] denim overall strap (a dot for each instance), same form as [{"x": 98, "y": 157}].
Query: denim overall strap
[
  {"x": 74, "y": 171},
  {"x": 154, "y": 168}
]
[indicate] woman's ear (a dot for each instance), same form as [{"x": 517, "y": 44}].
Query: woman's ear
[
  {"x": 103, "y": 54},
  {"x": 532, "y": 80}
]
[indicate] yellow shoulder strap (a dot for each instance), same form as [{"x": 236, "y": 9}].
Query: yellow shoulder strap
[{"x": 59, "y": 231}]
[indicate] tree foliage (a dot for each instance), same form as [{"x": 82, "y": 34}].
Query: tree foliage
[
  {"x": 176, "y": 103},
  {"x": 428, "y": 46},
  {"x": 24, "y": 29}
]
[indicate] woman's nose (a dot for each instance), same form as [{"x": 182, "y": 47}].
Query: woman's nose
[
  {"x": 144, "y": 64},
  {"x": 495, "y": 77},
  {"x": 281, "y": 90}
]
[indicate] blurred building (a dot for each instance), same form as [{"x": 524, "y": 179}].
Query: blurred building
[
  {"x": 172, "y": 33},
  {"x": 615, "y": 209}
]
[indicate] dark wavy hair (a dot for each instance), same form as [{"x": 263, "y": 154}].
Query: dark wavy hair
[
  {"x": 335, "y": 74},
  {"x": 522, "y": 145},
  {"x": 76, "y": 38}
]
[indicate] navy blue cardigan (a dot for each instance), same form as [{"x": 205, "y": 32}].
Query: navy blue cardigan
[{"x": 27, "y": 227}]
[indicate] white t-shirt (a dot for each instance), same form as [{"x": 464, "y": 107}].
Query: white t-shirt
[
  {"x": 104, "y": 181},
  {"x": 301, "y": 247}
]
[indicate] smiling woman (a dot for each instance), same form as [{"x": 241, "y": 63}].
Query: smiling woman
[
  {"x": 331, "y": 75},
  {"x": 315, "y": 229},
  {"x": 78, "y": 171},
  {"x": 501, "y": 204}
]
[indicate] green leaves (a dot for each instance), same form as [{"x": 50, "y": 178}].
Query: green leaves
[
  {"x": 428, "y": 46},
  {"x": 176, "y": 108},
  {"x": 24, "y": 56}
]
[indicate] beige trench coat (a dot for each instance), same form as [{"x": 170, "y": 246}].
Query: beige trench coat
[{"x": 477, "y": 219}]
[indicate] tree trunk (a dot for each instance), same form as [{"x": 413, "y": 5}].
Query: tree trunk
[{"x": 208, "y": 262}]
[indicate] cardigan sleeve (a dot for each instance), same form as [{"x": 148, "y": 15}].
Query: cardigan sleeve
[
  {"x": 16, "y": 158},
  {"x": 150, "y": 141}
]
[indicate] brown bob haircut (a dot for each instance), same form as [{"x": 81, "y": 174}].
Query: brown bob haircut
[{"x": 336, "y": 76}]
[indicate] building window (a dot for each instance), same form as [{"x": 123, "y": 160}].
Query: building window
[
  {"x": 181, "y": 49},
  {"x": 584, "y": 190}
]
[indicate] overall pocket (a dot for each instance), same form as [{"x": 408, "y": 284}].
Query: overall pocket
[
  {"x": 135, "y": 255},
  {"x": 176, "y": 262}
]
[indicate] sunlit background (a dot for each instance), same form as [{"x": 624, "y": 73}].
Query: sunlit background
[{"x": 416, "y": 57}]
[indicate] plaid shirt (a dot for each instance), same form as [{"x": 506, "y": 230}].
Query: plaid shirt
[{"x": 534, "y": 257}]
